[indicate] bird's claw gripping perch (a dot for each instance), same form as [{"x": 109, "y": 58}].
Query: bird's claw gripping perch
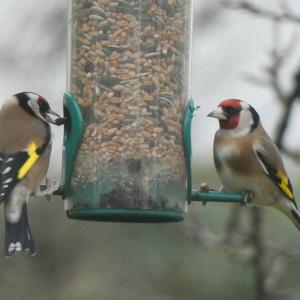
[
  {"x": 247, "y": 198},
  {"x": 204, "y": 188},
  {"x": 47, "y": 189}
]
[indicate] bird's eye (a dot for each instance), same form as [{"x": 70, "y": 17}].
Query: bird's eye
[
  {"x": 231, "y": 111},
  {"x": 43, "y": 106}
]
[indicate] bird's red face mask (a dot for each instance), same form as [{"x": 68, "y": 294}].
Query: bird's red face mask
[{"x": 228, "y": 114}]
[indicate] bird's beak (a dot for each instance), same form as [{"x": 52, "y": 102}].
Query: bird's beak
[
  {"x": 218, "y": 113},
  {"x": 54, "y": 118}
]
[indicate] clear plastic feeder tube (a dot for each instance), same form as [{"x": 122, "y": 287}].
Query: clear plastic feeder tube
[{"x": 129, "y": 71}]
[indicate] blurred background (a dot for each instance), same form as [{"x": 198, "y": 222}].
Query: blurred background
[{"x": 242, "y": 49}]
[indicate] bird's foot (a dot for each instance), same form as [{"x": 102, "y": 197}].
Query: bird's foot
[
  {"x": 204, "y": 187},
  {"x": 47, "y": 189},
  {"x": 247, "y": 198},
  {"x": 221, "y": 189}
]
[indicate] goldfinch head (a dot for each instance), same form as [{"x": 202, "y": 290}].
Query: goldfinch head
[
  {"x": 39, "y": 107},
  {"x": 236, "y": 116}
]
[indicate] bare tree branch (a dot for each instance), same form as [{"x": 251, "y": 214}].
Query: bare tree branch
[
  {"x": 232, "y": 228},
  {"x": 287, "y": 99},
  {"x": 291, "y": 98},
  {"x": 248, "y": 246},
  {"x": 284, "y": 15},
  {"x": 257, "y": 241}
]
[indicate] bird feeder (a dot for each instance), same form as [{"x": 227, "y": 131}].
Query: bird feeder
[{"x": 127, "y": 144}]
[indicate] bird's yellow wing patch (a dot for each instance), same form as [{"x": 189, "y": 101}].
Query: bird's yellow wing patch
[
  {"x": 284, "y": 184},
  {"x": 30, "y": 161}
]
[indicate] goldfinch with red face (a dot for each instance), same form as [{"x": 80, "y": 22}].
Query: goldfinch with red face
[
  {"x": 248, "y": 161},
  {"x": 25, "y": 146}
]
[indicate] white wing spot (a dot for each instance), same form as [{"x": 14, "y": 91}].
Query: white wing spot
[
  {"x": 5, "y": 186},
  {"x": 9, "y": 160},
  {"x": 9, "y": 180},
  {"x": 2, "y": 194},
  {"x": 6, "y": 170}
]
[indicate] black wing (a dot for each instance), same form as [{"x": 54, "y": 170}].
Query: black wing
[
  {"x": 279, "y": 177},
  {"x": 10, "y": 164}
]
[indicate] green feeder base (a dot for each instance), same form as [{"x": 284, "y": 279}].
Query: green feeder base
[{"x": 125, "y": 215}]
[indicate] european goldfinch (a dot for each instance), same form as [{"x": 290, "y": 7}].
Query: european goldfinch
[
  {"x": 248, "y": 161},
  {"x": 25, "y": 146}
]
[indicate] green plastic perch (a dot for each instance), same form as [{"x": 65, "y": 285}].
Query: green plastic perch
[{"x": 215, "y": 196}]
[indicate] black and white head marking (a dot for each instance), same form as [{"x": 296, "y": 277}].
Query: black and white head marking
[
  {"x": 38, "y": 107},
  {"x": 249, "y": 118},
  {"x": 255, "y": 118},
  {"x": 34, "y": 104}
]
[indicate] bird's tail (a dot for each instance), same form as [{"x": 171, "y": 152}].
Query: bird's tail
[
  {"x": 18, "y": 235},
  {"x": 292, "y": 212}
]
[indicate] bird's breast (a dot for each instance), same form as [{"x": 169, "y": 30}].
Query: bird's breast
[
  {"x": 239, "y": 171},
  {"x": 227, "y": 151}
]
